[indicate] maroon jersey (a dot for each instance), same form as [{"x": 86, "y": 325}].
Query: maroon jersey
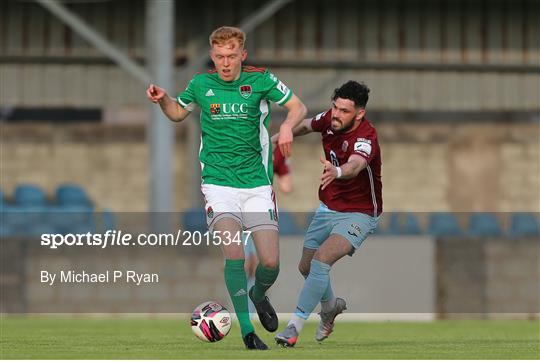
[
  {"x": 281, "y": 166},
  {"x": 362, "y": 193}
]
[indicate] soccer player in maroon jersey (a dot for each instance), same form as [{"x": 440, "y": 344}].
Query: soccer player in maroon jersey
[
  {"x": 351, "y": 203},
  {"x": 283, "y": 172}
]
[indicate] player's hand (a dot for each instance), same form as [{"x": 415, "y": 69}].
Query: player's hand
[
  {"x": 274, "y": 140},
  {"x": 329, "y": 173},
  {"x": 285, "y": 140},
  {"x": 155, "y": 94}
]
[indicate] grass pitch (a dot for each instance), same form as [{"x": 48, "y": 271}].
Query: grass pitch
[{"x": 110, "y": 338}]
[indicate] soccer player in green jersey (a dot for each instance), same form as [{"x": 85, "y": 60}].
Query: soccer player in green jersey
[{"x": 236, "y": 162}]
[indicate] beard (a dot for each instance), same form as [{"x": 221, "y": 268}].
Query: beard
[{"x": 344, "y": 126}]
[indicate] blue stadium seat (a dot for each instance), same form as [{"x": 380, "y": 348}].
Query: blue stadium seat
[
  {"x": 380, "y": 230},
  {"x": 393, "y": 223},
  {"x": 403, "y": 224},
  {"x": 288, "y": 225},
  {"x": 484, "y": 224},
  {"x": 39, "y": 229},
  {"x": 15, "y": 216},
  {"x": 71, "y": 219},
  {"x": 6, "y": 230},
  {"x": 29, "y": 195},
  {"x": 71, "y": 194},
  {"x": 20, "y": 220},
  {"x": 194, "y": 220},
  {"x": 411, "y": 225},
  {"x": 108, "y": 220},
  {"x": 443, "y": 224},
  {"x": 524, "y": 224}
]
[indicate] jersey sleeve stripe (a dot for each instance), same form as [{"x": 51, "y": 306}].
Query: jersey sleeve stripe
[
  {"x": 285, "y": 97},
  {"x": 186, "y": 106},
  {"x": 182, "y": 103}
]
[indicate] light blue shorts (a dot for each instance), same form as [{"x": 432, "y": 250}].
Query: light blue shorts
[{"x": 353, "y": 226}]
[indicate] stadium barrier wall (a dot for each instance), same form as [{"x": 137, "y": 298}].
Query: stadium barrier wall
[
  {"x": 461, "y": 166},
  {"x": 390, "y": 277}
]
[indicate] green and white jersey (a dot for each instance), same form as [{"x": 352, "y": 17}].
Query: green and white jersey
[{"x": 235, "y": 144}]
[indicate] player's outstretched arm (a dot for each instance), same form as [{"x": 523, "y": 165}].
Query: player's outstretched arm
[
  {"x": 169, "y": 106},
  {"x": 296, "y": 113},
  {"x": 350, "y": 169},
  {"x": 302, "y": 129}
]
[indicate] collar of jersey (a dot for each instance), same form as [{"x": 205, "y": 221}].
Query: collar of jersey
[{"x": 234, "y": 82}]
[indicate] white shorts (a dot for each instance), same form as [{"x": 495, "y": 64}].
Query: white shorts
[{"x": 254, "y": 209}]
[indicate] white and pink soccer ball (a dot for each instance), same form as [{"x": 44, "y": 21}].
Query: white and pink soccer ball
[{"x": 210, "y": 321}]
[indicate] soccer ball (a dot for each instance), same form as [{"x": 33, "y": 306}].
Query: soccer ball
[{"x": 210, "y": 321}]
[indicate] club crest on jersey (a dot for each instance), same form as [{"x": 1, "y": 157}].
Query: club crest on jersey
[
  {"x": 245, "y": 91},
  {"x": 210, "y": 212},
  {"x": 344, "y": 146},
  {"x": 215, "y": 108}
]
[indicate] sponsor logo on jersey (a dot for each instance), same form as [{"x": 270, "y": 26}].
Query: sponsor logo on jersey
[
  {"x": 245, "y": 91},
  {"x": 363, "y": 147},
  {"x": 282, "y": 87},
  {"x": 333, "y": 158},
  {"x": 229, "y": 111},
  {"x": 215, "y": 108},
  {"x": 329, "y": 131},
  {"x": 210, "y": 93},
  {"x": 363, "y": 140},
  {"x": 229, "y": 108},
  {"x": 318, "y": 117}
]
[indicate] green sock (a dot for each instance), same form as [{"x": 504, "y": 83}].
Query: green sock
[
  {"x": 264, "y": 278},
  {"x": 236, "y": 281}
]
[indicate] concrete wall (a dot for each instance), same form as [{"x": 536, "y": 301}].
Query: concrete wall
[
  {"x": 42, "y": 85},
  {"x": 488, "y": 276},
  {"x": 426, "y": 167},
  {"x": 388, "y": 277}
]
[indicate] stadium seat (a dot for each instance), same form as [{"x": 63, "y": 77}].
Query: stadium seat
[
  {"x": 38, "y": 229},
  {"x": 108, "y": 221},
  {"x": 194, "y": 220},
  {"x": 15, "y": 217},
  {"x": 71, "y": 219},
  {"x": 443, "y": 224},
  {"x": 18, "y": 220},
  {"x": 524, "y": 224},
  {"x": 393, "y": 223},
  {"x": 411, "y": 225},
  {"x": 484, "y": 224},
  {"x": 288, "y": 225},
  {"x": 403, "y": 224},
  {"x": 29, "y": 195},
  {"x": 6, "y": 230},
  {"x": 71, "y": 194}
]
